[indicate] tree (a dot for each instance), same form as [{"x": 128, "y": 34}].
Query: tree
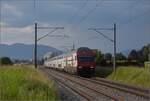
[
  {"x": 133, "y": 55},
  {"x": 120, "y": 56},
  {"x": 108, "y": 56},
  {"x": 98, "y": 57},
  {"x": 6, "y": 61},
  {"x": 143, "y": 54}
]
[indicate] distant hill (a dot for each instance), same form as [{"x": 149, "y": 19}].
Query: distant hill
[{"x": 24, "y": 51}]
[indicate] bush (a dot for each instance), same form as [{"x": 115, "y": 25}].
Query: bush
[
  {"x": 103, "y": 71},
  {"x": 103, "y": 62},
  {"x": 5, "y": 61}
]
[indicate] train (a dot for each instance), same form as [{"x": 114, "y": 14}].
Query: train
[{"x": 80, "y": 62}]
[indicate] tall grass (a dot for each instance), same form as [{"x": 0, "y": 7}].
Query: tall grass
[
  {"x": 25, "y": 83},
  {"x": 132, "y": 75}
]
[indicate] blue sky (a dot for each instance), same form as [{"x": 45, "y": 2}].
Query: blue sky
[{"x": 76, "y": 16}]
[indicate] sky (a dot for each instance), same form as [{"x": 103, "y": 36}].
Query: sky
[{"x": 77, "y": 16}]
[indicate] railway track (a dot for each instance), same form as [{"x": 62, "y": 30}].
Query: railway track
[
  {"x": 86, "y": 96},
  {"x": 87, "y": 92},
  {"x": 100, "y": 88},
  {"x": 130, "y": 89}
]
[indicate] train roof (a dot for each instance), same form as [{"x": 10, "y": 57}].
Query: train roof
[{"x": 68, "y": 53}]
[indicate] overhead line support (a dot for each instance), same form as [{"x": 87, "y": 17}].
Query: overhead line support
[
  {"x": 112, "y": 40},
  {"x": 38, "y": 39}
]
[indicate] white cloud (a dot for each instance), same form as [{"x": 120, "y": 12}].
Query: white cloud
[
  {"x": 12, "y": 35},
  {"x": 12, "y": 10},
  {"x": 18, "y": 30}
]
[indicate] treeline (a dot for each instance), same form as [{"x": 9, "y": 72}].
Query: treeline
[
  {"x": 5, "y": 61},
  {"x": 135, "y": 57}
]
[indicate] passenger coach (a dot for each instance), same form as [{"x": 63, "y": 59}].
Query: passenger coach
[{"x": 80, "y": 62}]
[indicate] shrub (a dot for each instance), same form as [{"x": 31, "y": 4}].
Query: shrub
[
  {"x": 5, "y": 61},
  {"x": 103, "y": 71}
]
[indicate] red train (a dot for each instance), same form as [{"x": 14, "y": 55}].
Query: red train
[{"x": 80, "y": 62}]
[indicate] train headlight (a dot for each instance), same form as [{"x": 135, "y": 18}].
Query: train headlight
[
  {"x": 91, "y": 67},
  {"x": 80, "y": 66}
]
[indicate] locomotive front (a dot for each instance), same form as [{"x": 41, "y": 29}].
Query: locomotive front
[{"x": 86, "y": 62}]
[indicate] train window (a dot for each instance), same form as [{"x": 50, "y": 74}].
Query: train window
[
  {"x": 59, "y": 65},
  {"x": 86, "y": 58},
  {"x": 75, "y": 57}
]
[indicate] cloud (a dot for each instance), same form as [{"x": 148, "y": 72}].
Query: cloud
[
  {"x": 131, "y": 16},
  {"x": 17, "y": 30},
  {"x": 12, "y": 9},
  {"x": 12, "y": 35}
]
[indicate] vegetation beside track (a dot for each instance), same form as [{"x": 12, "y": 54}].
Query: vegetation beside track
[
  {"x": 103, "y": 71},
  {"x": 25, "y": 83},
  {"x": 132, "y": 76}
]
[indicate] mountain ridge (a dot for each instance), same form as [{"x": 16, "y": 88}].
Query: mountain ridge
[{"x": 24, "y": 51}]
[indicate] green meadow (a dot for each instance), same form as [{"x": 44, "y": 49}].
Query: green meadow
[
  {"x": 132, "y": 76},
  {"x": 24, "y": 83}
]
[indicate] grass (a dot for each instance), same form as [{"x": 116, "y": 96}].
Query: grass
[
  {"x": 25, "y": 83},
  {"x": 132, "y": 76},
  {"x": 103, "y": 71}
]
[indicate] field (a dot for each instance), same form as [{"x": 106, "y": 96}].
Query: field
[
  {"x": 132, "y": 76},
  {"x": 24, "y": 83}
]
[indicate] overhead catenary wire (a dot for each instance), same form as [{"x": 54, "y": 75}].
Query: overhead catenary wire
[
  {"x": 46, "y": 34},
  {"x": 90, "y": 12},
  {"x": 98, "y": 3},
  {"x": 79, "y": 10},
  {"x": 136, "y": 17},
  {"x": 35, "y": 4},
  {"x": 133, "y": 18},
  {"x": 104, "y": 35}
]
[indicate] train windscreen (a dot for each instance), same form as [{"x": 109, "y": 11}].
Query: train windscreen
[{"x": 86, "y": 58}]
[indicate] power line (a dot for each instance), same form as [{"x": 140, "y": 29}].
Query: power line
[
  {"x": 35, "y": 13},
  {"x": 91, "y": 11},
  {"x": 46, "y": 35},
  {"x": 112, "y": 40},
  {"x": 104, "y": 35},
  {"x": 134, "y": 18},
  {"x": 38, "y": 39},
  {"x": 79, "y": 10},
  {"x": 78, "y": 13},
  {"x": 89, "y": 38}
]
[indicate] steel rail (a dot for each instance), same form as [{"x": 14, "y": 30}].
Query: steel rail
[
  {"x": 115, "y": 85},
  {"x": 78, "y": 91},
  {"x": 122, "y": 87},
  {"x": 92, "y": 89},
  {"x": 139, "y": 89}
]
